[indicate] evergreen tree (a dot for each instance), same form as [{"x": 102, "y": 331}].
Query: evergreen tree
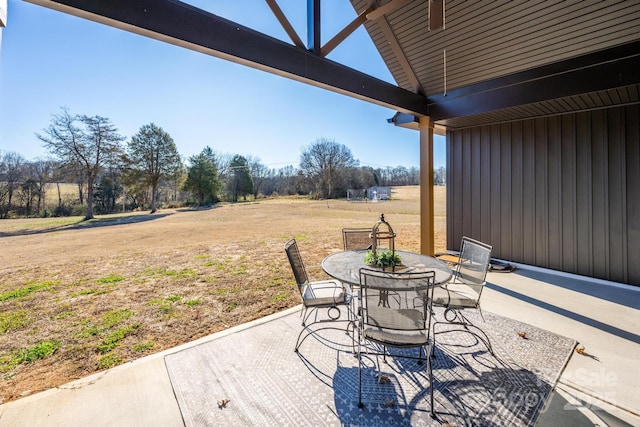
[{"x": 202, "y": 177}]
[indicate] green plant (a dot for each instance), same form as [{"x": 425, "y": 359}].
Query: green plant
[
  {"x": 114, "y": 317},
  {"x": 8, "y": 362},
  {"x": 83, "y": 292},
  {"x": 108, "y": 321},
  {"x": 112, "y": 340},
  {"x": 142, "y": 347},
  {"x": 109, "y": 361},
  {"x": 11, "y": 321},
  {"x": 279, "y": 297},
  {"x": 111, "y": 278},
  {"x": 384, "y": 259},
  {"x": 64, "y": 314},
  {"x": 39, "y": 351},
  {"x": 26, "y": 290}
]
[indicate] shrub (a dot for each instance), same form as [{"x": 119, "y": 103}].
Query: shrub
[
  {"x": 78, "y": 210},
  {"x": 62, "y": 211}
]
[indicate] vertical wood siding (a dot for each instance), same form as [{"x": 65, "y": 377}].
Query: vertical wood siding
[{"x": 559, "y": 192}]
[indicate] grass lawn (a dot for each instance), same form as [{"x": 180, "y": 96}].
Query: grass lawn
[{"x": 78, "y": 297}]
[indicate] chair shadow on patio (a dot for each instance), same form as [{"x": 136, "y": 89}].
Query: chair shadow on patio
[
  {"x": 470, "y": 384},
  {"x": 468, "y": 389},
  {"x": 267, "y": 382}
]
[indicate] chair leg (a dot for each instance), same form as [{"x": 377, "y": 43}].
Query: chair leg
[
  {"x": 360, "y": 404},
  {"x": 308, "y": 311},
  {"x": 430, "y": 369},
  {"x": 306, "y": 325}
]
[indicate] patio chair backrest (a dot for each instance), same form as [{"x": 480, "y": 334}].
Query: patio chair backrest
[
  {"x": 355, "y": 239},
  {"x": 299, "y": 271},
  {"x": 396, "y": 301},
  {"x": 474, "y": 262}
]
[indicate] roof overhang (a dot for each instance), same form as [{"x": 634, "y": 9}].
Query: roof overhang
[
  {"x": 595, "y": 72},
  {"x": 187, "y": 26}
]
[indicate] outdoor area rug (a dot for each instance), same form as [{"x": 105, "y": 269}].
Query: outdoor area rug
[{"x": 253, "y": 377}]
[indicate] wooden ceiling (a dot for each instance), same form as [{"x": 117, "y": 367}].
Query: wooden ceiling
[{"x": 500, "y": 60}]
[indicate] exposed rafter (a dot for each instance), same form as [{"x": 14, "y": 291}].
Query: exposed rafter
[
  {"x": 286, "y": 25},
  {"x": 187, "y": 26},
  {"x": 400, "y": 56},
  {"x": 331, "y": 44},
  {"x": 345, "y": 32},
  {"x": 387, "y": 8}
]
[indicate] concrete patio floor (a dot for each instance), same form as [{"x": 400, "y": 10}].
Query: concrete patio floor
[{"x": 600, "y": 386}]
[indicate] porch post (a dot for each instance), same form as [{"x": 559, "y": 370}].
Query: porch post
[{"x": 427, "y": 234}]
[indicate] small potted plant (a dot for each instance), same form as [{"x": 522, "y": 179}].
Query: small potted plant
[{"x": 384, "y": 259}]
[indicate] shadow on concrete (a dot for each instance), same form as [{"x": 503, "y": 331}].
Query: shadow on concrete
[
  {"x": 627, "y": 295},
  {"x": 569, "y": 314}
]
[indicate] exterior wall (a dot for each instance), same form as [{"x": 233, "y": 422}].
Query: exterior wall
[{"x": 560, "y": 192}]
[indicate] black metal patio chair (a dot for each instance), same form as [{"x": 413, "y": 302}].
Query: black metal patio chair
[
  {"x": 395, "y": 312},
  {"x": 465, "y": 289},
  {"x": 329, "y": 294},
  {"x": 355, "y": 239}
]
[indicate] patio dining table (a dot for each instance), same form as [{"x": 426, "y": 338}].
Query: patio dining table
[{"x": 345, "y": 266}]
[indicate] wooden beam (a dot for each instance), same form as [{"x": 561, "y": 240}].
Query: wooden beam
[
  {"x": 313, "y": 26},
  {"x": 398, "y": 52},
  {"x": 344, "y": 33},
  {"x": 284, "y": 22},
  {"x": 427, "y": 228},
  {"x": 184, "y": 25},
  {"x": 602, "y": 70},
  {"x": 387, "y": 8}
]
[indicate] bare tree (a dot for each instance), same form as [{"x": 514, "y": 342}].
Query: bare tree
[
  {"x": 259, "y": 174},
  {"x": 12, "y": 168},
  {"x": 324, "y": 163},
  {"x": 42, "y": 173},
  {"x": 83, "y": 142}
]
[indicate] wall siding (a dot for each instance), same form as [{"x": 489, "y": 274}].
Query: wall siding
[{"x": 559, "y": 192}]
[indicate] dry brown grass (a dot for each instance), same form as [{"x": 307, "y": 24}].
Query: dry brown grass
[{"x": 123, "y": 286}]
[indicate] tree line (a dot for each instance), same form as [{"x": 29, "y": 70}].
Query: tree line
[{"x": 111, "y": 174}]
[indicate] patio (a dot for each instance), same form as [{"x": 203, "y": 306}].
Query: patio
[{"x": 598, "y": 386}]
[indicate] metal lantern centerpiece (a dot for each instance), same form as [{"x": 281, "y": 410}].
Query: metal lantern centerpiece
[{"x": 382, "y": 232}]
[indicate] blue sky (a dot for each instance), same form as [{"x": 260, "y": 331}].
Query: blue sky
[{"x": 50, "y": 60}]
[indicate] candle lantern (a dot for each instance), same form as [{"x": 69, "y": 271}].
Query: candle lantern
[{"x": 382, "y": 238}]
